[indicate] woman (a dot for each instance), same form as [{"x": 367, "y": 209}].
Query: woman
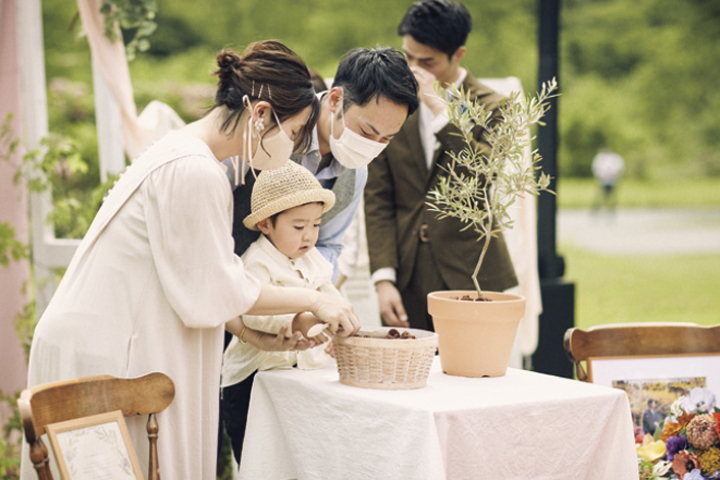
[{"x": 155, "y": 279}]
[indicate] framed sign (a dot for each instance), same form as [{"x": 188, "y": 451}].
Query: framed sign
[
  {"x": 653, "y": 383},
  {"x": 97, "y": 447}
]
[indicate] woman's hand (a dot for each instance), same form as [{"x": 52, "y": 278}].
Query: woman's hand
[
  {"x": 277, "y": 343},
  {"x": 329, "y": 308},
  {"x": 337, "y": 313},
  {"x": 268, "y": 341}
]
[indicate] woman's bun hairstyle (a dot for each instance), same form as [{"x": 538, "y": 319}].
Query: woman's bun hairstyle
[{"x": 269, "y": 71}]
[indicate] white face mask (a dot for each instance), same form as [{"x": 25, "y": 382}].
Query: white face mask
[
  {"x": 353, "y": 150},
  {"x": 272, "y": 153}
]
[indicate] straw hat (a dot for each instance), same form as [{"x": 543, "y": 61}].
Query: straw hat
[{"x": 278, "y": 190}]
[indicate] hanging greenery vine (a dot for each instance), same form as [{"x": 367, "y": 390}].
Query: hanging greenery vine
[{"x": 136, "y": 19}]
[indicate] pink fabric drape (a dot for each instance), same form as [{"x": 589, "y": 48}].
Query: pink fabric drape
[{"x": 138, "y": 132}]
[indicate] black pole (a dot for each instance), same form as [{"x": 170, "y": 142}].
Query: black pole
[
  {"x": 558, "y": 296},
  {"x": 550, "y": 265}
]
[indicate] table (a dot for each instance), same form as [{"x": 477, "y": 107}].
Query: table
[{"x": 524, "y": 425}]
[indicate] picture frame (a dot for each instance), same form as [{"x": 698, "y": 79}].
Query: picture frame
[
  {"x": 96, "y": 447},
  {"x": 603, "y": 370},
  {"x": 653, "y": 383}
]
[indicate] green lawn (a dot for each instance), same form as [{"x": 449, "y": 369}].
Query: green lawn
[
  {"x": 698, "y": 192},
  {"x": 623, "y": 288},
  {"x": 673, "y": 288}
]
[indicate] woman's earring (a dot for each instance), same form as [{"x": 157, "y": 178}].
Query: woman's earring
[{"x": 260, "y": 124}]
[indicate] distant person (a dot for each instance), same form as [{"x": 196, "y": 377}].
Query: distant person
[
  {"x": 652, "y": 417},
  {"x": 607, "y": 167}
]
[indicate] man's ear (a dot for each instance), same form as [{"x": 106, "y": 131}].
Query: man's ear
[
  {"x": 335, "y": 99},
  {"x": 459, "y": 54},
  {"x": 262, "y": 225}
]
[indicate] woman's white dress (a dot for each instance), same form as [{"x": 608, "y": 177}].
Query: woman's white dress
[{"x": 149, "y": 289}]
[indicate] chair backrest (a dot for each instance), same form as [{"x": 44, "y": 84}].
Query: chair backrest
[
  {"x": 83, "y": 397},
  {"x": 639, "y": 339}
]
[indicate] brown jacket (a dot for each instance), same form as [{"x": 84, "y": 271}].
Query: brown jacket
[{"x": 395, "y": 208}]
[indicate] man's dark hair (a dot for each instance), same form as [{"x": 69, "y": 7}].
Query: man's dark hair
[
  {"x": 439, "y": 24},
  {"x": 367, "y": 74}
]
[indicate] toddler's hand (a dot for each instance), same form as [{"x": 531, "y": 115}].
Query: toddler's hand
[{"x": 329, "y": 349}]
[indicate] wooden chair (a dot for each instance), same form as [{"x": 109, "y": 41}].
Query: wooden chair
[
  {"x": 83, "y": 397},
  {"x": 639, "y": 339}
]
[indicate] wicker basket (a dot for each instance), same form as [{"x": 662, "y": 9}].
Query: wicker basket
[{"x": 389, "y": 364}]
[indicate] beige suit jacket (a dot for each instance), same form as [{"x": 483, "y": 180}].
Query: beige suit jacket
[{"x": 395, "y": 208}]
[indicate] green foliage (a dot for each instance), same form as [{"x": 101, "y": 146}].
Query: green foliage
[
  {"x": 136, "y": 20},
  {"x": 483, "y": 182},
  {"x": 225, "y": 460},
  {"x": 321, "y": 31},
  {"x": 67, "y": 53},
  {"x": 66, "y": 163},
  {"x": 10, "y": 248},
  {"x": 25, "y": 323},
  {"x": 641, "y": 78},
  {"x": 173, "y": 35},
  {"x": 58, "y": 165},
  {"x": 10, "y": 439}
]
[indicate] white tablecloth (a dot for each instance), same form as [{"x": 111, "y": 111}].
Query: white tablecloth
[{"x": 525, "y": 425}]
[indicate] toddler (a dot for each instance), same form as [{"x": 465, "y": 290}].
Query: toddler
[{"x": 287, "y": 206}]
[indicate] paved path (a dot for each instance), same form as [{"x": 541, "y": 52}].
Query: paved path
[{"x": 642, "y": 231}]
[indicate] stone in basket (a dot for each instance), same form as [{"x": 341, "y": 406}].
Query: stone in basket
[{"x": 373, "y": 361}]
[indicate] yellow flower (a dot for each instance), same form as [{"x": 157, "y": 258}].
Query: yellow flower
[
  {"x": 710, "y": 460},
  {"x": 652, "y": 451}
]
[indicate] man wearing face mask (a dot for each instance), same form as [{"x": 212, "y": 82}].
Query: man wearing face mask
[
  {"x": 373, "y": 93},
  {"x": 412, "y": 252}
]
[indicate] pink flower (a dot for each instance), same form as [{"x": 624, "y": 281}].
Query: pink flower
[{"x": 684, "y": 462}]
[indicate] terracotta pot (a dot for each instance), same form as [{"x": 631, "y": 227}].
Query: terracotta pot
[{"x": 475, "y": 339}]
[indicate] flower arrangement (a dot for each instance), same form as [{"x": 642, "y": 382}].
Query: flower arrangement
[{"x": 686, "y": 446}]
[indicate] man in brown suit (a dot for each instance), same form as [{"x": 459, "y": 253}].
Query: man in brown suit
[{"x": 412, "y": 252}]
